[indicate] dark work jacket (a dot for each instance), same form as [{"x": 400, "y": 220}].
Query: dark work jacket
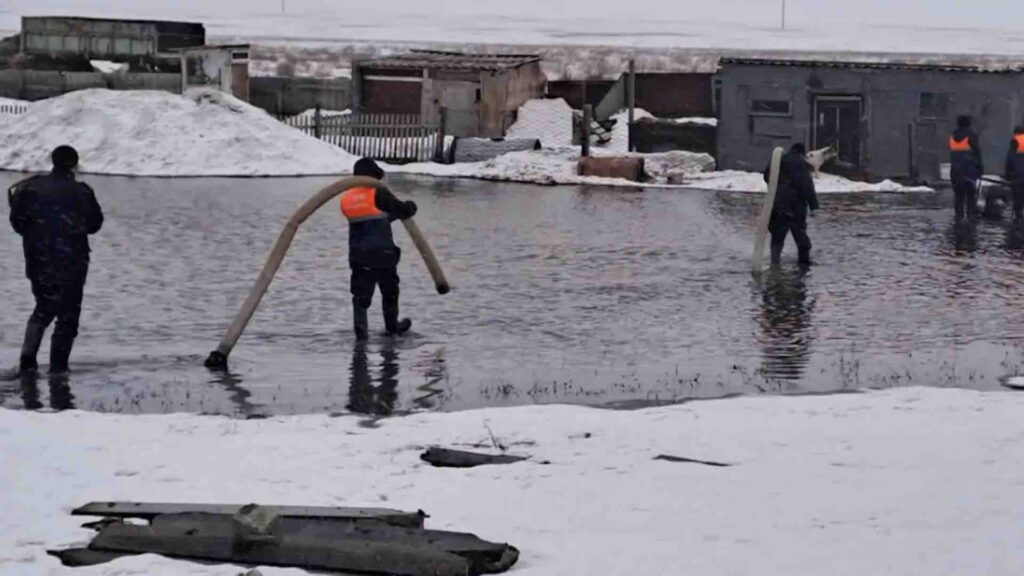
[
  {"x": 54, "y": 214},
  {"x": 795, "y": 193},
  {"x": 965, "y": 166},
  {"x": 1015, "y": 162},
  {"x": 370, "y": 242}
]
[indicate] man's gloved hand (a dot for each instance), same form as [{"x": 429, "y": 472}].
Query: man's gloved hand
[{"x": 412, "y": 208}]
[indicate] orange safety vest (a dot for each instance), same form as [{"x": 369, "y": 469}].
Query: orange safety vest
[
  {"x": 360, "y": 204},
  {"x": 1020, "y": 143},
  {"x": 959, "y": 145}
]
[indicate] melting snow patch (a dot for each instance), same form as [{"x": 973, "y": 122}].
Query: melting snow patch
[
  {"x": 549, "y": 121},
  {"x": 145, "y": 133}
]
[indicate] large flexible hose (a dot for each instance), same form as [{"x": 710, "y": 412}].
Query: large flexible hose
[
  {"x": 218, "y": 359},
  {"x": 761, "y": 234}
]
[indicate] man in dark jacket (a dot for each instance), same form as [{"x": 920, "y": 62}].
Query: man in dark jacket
[
  {"x": 793, "y": 197},
  {"x": 55, "y": 214},
  {"x": 372, "y": 253},
  {"x": 1015, "y": 171},
  {"x": 965, "y": 167}
]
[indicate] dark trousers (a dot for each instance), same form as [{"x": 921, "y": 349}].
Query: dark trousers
[
  {"x": 59, "y": 297},
  {"x": 1018, "y": 200},
  {"x": 783, "y": 224},
  {"x": 965, "y": 198},
  {"x": 366, "y": 280}
]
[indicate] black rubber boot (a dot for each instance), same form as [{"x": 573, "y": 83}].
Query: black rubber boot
[
  {"x": 361, "y": 323},
  {"x": 805, "y": 258},
  {"x": 391, "y": 322},
  {"x": 30, "y": 347},
  {"x": 60, "y": 352}
]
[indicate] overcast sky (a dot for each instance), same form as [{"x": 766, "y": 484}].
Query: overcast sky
[{"x": 931, "y": 13}]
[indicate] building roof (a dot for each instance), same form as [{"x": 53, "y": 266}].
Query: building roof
[
  {"x": 452, "y": 61},
  {"x": 888, "y": 63}
]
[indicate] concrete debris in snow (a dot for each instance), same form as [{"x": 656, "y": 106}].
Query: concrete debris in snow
[
  {"x": 148, "y": 133},
  {"x": 547, "y": 120},
  {"x": 927, "y": 479}
]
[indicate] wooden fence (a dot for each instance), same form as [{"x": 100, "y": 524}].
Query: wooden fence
[
  {"x": 394, "y": 138},
  {"x": 13, "y": 109}
]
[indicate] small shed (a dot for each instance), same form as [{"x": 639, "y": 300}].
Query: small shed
[
  {"x": 223, "y": 67},
  {"x": 480, "y": 93},
  {"x": 889, "y": 116}
]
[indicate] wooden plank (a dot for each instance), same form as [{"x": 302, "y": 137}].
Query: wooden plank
[
  {"x": 302, "y": 544},
  {"x": 150, "y": 510},
  {"x": 444, "y": 458}
]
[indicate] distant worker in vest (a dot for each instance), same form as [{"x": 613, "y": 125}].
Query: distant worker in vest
[
  {"x": 372, "y": 253},
  {"x": 1015, "y": 171},
  {"x": 794, "y": 196},
  {"x": 965, "y": 168},
  {"x": 54, "y": 214}
]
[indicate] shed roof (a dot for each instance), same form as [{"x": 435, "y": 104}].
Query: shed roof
[
  {"x": 452, "y": 61},
  {"x": 883, "y": 64}
]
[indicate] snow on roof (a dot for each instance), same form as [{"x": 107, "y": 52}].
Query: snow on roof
[
  {"x": 548, "y": 120},
  {"x": 149, "y": 133},
  {"x": 452, "y": 60},
  {"x": 934, "y": 63}
]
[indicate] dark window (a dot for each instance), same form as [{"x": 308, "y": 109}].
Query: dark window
[
  {"x": 934, "y": 105},
  {"x": 477, "y": 94},
  {"x": 771, "y": 107}
]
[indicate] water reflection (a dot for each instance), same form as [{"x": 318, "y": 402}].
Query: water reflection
[
  {"x": 237, "y": 395},
  {"x": 61, "y": 397},
  {"x": 1014, "y": 236},
  {"x": 367, "y": 395},
  {"x": 435, "y": 373},
  {"x": 785, "y": 319}
]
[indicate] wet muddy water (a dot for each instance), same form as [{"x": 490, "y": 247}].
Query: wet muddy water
[{"x": 589, "y": 295}]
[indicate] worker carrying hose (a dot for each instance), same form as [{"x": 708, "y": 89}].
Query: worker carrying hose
[{"x": 372, "y": 253}]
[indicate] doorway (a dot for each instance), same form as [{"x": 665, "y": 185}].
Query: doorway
[{"x": 837, "y": 122}]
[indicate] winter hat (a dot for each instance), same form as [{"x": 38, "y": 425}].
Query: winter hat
[
  {"x": 367, "y": 167},
  {"x": 798, "y": 148},
  {"x": 64, "y": 157}
]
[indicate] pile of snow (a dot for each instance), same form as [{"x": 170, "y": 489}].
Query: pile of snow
[
  {"x": 559, "y": 166},
  {"x": 108, "y": 67},
  {"x": 143, "y": 133},
  {"x": 311, "y": 114},
  {"x": 823, "y": 183},
  {"x": 699, "y": 120},
  {"x": 927, "y": 480},
  {"x": 547, "y": 120}
]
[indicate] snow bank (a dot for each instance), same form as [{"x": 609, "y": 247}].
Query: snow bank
[
  {"x": 311, "y": 113},
  {"x": 108, "y": 67},
  {"x": 695, "y": 120},
  {"x": 927, "y": 480},
  {"x": 142, "y": 133},
  {"x": 823, "y": 183},
  {"x": 547, "y": 120},
  {"x": 559, "y": 166}
]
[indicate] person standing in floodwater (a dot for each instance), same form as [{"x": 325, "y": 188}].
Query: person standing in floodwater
[
  {"x": 54, "y": 214},
  {"x": 965, "y": 168},
  {"x": 372, "y": 253},
  {"x": 794, "y": 196},
  {"x": 1015, "y": 171}
]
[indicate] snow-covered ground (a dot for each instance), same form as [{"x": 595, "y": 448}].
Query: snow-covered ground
[
  {"x": 144, "y": 133},
  {"x": 824, "y": 183},
  {"x": 908, "y": 481}
]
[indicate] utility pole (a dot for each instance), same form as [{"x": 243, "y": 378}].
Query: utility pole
[
  {"x": 283, "y": 1},
  {"x": 783, "y": 14}
]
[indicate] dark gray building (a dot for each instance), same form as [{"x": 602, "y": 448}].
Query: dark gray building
[
  {"x": 889, "y": 119},
  {"x": 106, "y": 38}
]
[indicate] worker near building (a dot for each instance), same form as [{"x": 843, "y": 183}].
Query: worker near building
[
  {"x": 372, "y": 253},
  {"x": 794, "y": 196},
  {"x": 1015, "y": 171},
  {"x": 54, "y": 214},
  {"x": 965, "y": 168}
]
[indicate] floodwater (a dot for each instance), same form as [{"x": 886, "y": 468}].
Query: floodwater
[{"x": 590, "y": 295}]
